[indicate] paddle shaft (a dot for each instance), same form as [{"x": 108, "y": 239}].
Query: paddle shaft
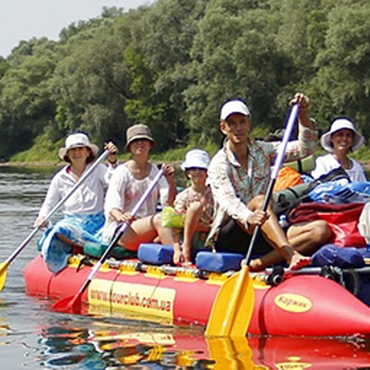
[
  {"x": 274, "y": 174},
  {"x": 103, "y": 156},
  {"x": 118, "y": 235}
]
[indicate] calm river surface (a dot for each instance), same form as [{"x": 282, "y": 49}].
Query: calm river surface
[{"x": 34, "y": 337}]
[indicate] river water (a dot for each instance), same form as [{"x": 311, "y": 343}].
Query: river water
[{"x": 34, "y": 337}]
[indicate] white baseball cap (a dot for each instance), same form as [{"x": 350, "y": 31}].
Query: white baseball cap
[
  {"x": 337, "y": 125},
  {"x": 233, "y": 106},
  {"x": 196, "y": 158}
]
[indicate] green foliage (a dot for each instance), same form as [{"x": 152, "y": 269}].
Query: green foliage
[
  {"x": 42, "y": 151},
  {"x": 172, "y": 64}
]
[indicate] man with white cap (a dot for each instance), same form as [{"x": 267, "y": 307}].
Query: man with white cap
[
  {"x": 339, "y": 141},
  {"x": 239, "y": 175}
]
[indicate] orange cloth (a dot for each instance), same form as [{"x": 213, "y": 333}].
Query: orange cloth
[{"x": 287, "y": 177}]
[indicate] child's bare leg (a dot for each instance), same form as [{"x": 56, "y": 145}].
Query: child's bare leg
[
  {"x": 192, "y": 219},
  {"x": 165, "y": 234}
]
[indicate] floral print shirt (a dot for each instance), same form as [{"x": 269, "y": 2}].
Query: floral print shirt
[{"x": 189, "y": 195}]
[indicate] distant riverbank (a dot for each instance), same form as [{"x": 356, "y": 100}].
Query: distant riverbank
[
  {"x": 365, "y": 164},
  {"x": 31, "y": 164}
]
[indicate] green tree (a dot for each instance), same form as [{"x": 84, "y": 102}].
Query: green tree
[
  {"x": 234, "y": 55},
  {"x": 88, "y": 85},
  {"x": 25, "y": 104},
  {"x": 343, "y": 79}
]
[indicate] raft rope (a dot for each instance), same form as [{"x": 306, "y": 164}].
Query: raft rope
[
  {"x": 270, "y": 276},
  {"x": 134, "y": 265}
]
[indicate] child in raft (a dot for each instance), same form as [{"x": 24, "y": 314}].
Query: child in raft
[{"x": 195, "y": 205}]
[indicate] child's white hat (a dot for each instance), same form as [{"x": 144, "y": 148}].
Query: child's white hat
[{"x": 196, "y": 158}]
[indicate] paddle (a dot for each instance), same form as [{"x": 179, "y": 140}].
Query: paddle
[
  {"x": 233, "y": 307},
  {"x": 73, "y": 304},
  {"x": 10, "y": 259}
]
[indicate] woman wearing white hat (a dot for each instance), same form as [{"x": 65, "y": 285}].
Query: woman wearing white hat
[
  {"x": 83, "y": 211},
  {"x": 339, "y": 141}
]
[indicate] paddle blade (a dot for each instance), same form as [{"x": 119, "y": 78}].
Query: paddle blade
[
  {"x": 233, "y": 307},
  {"x": 69, "y": 304},
  {"x": 231, "y": 353},
  {"x": 3, "y": 273}
]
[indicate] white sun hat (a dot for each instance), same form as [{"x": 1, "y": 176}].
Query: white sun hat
[
  {"x": 196, "y": 158},
  {"x": 337, "y": 125},
  {"x": 77, "y": 140},
  {"x": 232, "y": 107}
]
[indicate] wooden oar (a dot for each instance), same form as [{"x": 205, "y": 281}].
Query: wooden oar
[
  {"x": 73, "y": 304},
  {"x": 233, "y": 307},
  {"x": 10, "y": 259}
]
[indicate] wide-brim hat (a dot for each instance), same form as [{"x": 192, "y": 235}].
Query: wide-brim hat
[
  {"x": 232, "y": 107},
  {"x": 77, "y": 140},
  {"x": 337, "y": 125},
  {"x": 196, "y": 158},
  {"x": 138, "y": 132}
]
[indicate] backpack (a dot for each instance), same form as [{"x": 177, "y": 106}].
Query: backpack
[
  {"x": 288, "y": 177},
  {"x": 284, "y": 201}
]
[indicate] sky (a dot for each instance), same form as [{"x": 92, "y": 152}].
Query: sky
[{"x": 24, "y": 19}]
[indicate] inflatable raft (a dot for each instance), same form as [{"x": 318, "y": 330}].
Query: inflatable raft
[{"x": 301, "y": 305}]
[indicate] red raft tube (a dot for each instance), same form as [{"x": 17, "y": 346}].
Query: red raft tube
[{"x": 302, "y": 305}]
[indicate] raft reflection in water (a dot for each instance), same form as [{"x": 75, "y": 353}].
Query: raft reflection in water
[{"x": 107, "y": 346}]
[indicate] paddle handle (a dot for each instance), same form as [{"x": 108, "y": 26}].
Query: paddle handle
[
  {"x": 102, "y": 157},
  {"x": 274, "y": 174},
  {"x": 119, "y": 233}
]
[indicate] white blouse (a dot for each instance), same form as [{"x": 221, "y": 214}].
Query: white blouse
[
  {"x": 124, "y": 192},
  {"x": 87, "y": 199},
  {"x": 328, "y": 162}
]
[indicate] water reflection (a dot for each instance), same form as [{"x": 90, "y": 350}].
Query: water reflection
[{"x": 108, "y": 346}]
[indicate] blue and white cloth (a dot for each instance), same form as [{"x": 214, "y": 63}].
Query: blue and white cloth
[
  {"x": 80, "y": 229},
  {"x": 334, "y": 192}
]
